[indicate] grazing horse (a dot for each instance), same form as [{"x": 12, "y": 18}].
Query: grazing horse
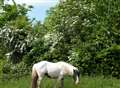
[{"x": 53, "y": 70}]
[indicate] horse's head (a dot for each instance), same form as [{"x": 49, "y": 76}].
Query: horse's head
[{"x": 76, "y": 75}]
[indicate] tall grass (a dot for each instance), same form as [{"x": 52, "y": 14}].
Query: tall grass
[{"x": 86, "y": 82}]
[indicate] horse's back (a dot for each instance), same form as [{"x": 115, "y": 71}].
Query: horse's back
[{"x": 50, "y": 68}]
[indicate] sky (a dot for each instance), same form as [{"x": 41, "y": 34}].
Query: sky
[{"x": 40, "y": 7}]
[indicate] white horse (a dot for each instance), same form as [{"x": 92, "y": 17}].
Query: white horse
[{"x": 53, "y": 70}]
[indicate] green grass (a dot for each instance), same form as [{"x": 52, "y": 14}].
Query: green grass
[{"x": 86, "y": 82}]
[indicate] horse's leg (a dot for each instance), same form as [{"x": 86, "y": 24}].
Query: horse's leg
[
  {"x": 60, "y": 78},
  {"x": 39, "y": 82},
  {"x": 62, "y": 83},
  {"x": 54, "y": 83}
]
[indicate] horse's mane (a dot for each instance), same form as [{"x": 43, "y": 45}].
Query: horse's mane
[
  {"x": 68, "y": 68},
  {"x": 66, "y": 64}
]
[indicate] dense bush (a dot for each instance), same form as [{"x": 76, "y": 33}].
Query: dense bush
[
  {"x": 15, "y": 71},
  {"x": 90, "y": 31},
  {"x": 2, "y": 62},
  {"x": 82, "y": 32}
]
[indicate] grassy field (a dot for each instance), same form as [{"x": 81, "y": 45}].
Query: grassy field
[{"x": 86, "y": 82}]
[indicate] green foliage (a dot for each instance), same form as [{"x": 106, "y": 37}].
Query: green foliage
[
  {"x": 1, "y": 3},
  {"x": 38, "y": 49},
  {"x": 15, "y": 37},
  {"x": 82, "y": 32},
  {"x": 90, "y": 31},
  {"x": 14, "y": 34},
  {"x": 2, "y": 62},
  {"x": 16, "y": 42},
  {"x": 15, "y": 16},
  {"x": 15, "y": 70}
]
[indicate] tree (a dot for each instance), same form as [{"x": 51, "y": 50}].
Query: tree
[
  {"x": 89, "y": 28},
  {"x": 15, "y": 16},
  {"x": 14, "y": 34}
]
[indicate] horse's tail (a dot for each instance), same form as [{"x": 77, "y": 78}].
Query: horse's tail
[{"x": 34, "y": 78}]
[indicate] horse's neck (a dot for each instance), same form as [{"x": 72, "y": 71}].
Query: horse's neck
[{"x": 67, "y": 68}]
